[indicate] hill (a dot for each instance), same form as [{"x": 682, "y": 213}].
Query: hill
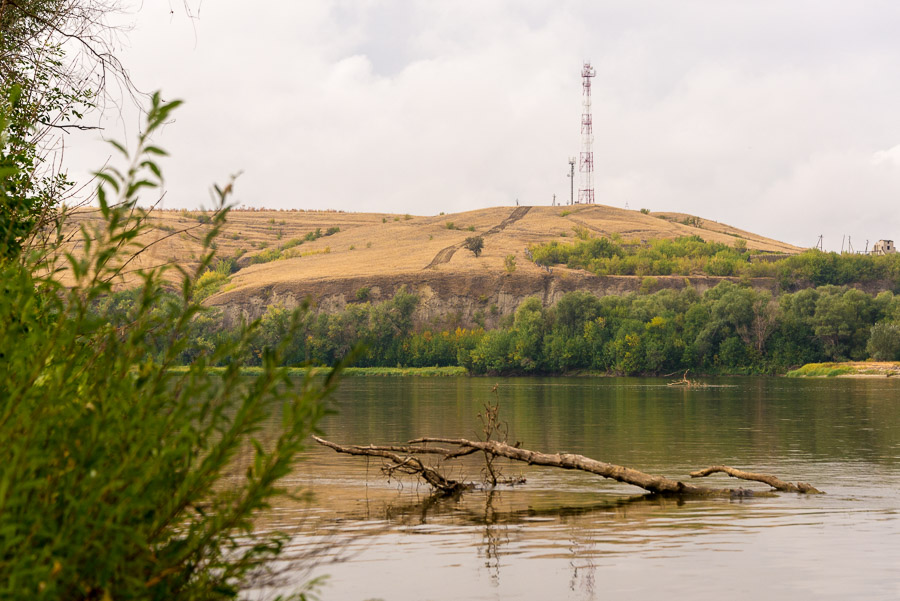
[{"x": 337, "y": 257}]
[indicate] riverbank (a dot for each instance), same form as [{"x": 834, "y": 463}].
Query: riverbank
[
  {"x": 354, "y": 371},
  {"x": 848, "y": 369}
]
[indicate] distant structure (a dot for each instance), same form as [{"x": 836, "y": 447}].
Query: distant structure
[
  {"x": 571, "y": 176},
  {"x": 884, "y": 247},
  {"x": 586, "y": 165}
]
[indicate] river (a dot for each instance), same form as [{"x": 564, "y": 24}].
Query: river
[{"x": 572, "y": 535}]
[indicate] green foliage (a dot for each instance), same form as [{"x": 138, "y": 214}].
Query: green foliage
[
  {"x": 884, "y": 342},
  {"x": 42, "y": 92},
  {"x": 645, "y": 211},
  {"x": 117, "y": 479},
  {"x": 509, "y": 262},
  {"x": 450, "y": 225},
  {"x": 209, "y": 283},
  {"x": 474, "y": 244},
  {"x": 285, "y": 251},
  {"x": 728, "y": 329},
  {"x": 691, "y": 255},
  {"x": 820, "y": 370},
  {"x": 649, "y": 284},
  {"x": 362, "y": 294}
]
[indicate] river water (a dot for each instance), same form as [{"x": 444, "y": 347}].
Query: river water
[{"x": 572, "y": 535}]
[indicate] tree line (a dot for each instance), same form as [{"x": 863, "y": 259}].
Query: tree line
[
  {"x": 727, "y": 329},
  {"x": 690, "y": 255}
]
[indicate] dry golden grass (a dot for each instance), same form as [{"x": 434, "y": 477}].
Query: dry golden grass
[{"x": 378, "y": 245}]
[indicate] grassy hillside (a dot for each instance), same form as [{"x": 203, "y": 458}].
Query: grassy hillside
[{"x": 273, "y": 248}]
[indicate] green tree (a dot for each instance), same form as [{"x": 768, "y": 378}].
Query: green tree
[
  {"x": 841, "y": 321},
  {"x": 884, "y": 342},
  {"x": 56, "y": 57},
  {"x": 475, "y": 244}
]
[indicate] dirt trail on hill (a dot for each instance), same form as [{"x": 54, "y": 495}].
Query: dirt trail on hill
[
  {"x": 513, "y": 217},
  {"x": 445, "y": 254}
]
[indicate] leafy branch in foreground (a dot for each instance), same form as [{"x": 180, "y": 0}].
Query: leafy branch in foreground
[{"x": 118, "y": 478}]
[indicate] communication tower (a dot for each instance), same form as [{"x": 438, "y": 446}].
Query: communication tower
[{"x": 586, "y": 164}]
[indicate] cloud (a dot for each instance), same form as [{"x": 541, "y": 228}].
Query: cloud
[{"x": 769, "y": 116}]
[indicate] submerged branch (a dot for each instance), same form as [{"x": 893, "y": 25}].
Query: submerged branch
[
  {"x": 407, "y": 465},
  {"x": 571, "y": 461},
  {"x": 652, "y": 483},
  {"x": 776, "y": 483}
]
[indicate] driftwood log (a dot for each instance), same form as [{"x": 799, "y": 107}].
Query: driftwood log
[{"x": 403, "y": 458}]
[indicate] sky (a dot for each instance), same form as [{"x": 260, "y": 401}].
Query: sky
[{"x": 778, "y": 117}]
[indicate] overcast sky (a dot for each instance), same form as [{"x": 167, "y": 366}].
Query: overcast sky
[{"x": 780, "y": 117}]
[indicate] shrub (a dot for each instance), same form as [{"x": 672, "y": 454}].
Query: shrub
[
  {"x": 645, "y": 211},
  {"x": 291, "y": 243},
  {"x": 450, "y": 225},
  {"x": 113, "y": 470},
  {"x": 510, "y": 263},
  {"x": 475, "y": 244},
  {"x": 649, "y": 284}
]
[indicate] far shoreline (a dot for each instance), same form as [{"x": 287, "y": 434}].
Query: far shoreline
[{"x": 848, "y": 369}]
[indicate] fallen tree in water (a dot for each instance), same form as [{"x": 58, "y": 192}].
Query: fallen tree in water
[{"x": 406, "y": 459}]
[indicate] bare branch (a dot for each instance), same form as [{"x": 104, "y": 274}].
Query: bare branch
[
  {"x": 652, "y": 483},
  {"x": 776, "y": 483},
  {"x": 409, "y": 465}
]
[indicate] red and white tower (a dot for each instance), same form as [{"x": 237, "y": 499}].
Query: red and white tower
[{"x": 586, "y": 164}]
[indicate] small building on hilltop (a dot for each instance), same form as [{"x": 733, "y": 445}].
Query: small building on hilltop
[{"x": 884, "y": 247}]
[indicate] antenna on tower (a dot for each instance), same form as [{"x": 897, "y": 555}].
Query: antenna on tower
[
  {"x": 819, "y": 243},
  {"x": 571, "y": 176},
  {"x": 586, "y": 166}
]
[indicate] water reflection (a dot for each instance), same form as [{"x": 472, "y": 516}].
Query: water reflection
[{"x": 572, "y": 535}]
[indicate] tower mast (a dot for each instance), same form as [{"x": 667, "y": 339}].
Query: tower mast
[{"x": 586, "y": 164}]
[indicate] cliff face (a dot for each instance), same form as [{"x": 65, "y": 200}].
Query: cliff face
[{"x": 459, "y": 300}]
